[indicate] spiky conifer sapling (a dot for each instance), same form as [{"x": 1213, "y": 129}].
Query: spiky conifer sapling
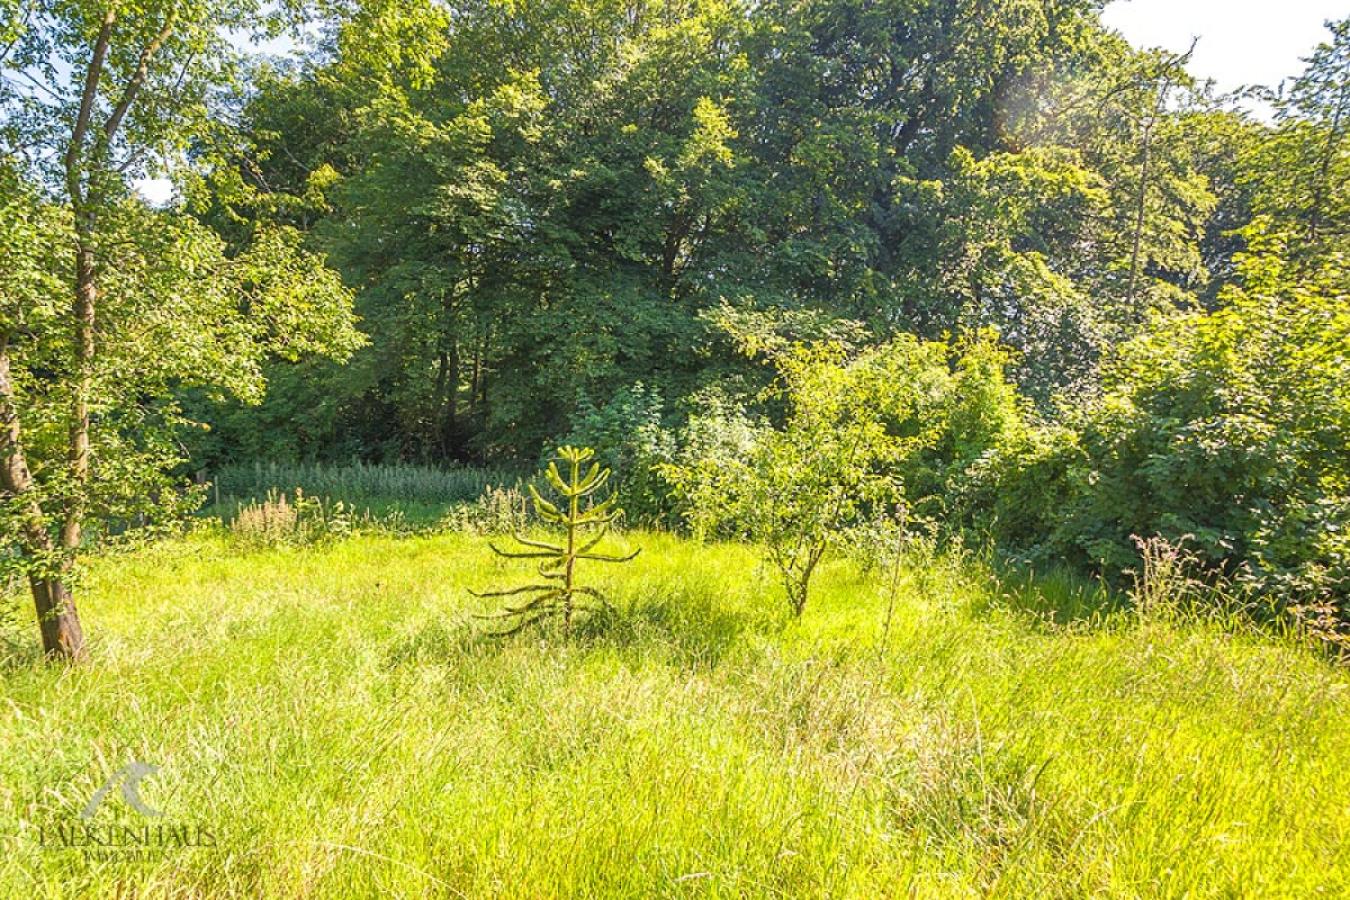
[{"x": 559, "y": 591}]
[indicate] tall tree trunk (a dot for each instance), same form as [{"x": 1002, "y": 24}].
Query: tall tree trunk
[
  {"x": 450, "y": 413},
  {"x": 1140, "y": 202},
  {"x": 434, "y": 444},
  {"x": 86, "y": 297},
  {"x": 58, "y": 619},
  {"x": 670, "y": 253},
  {"x": 474, "y": 376}
]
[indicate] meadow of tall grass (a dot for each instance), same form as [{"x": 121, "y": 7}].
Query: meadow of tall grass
[
  {"x": 360, "y": 481},
  {"x": 398, "y": 497},
  {"x": 331, "y": 715}
]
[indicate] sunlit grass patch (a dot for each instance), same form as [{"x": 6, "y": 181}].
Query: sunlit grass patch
[{"x": 334, "y": 715}]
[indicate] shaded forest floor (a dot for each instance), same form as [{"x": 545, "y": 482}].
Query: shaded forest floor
[{"x": 334, "y": 721}]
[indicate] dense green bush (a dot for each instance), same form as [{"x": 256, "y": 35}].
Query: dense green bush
[
  {"x": 1016, "y": 495},
  {"x": 629, "y": 436},
  {"x": 1230, "y": 429},
  {"x": 1234, "y": 427},
  {"x": 967, "y": 407}
]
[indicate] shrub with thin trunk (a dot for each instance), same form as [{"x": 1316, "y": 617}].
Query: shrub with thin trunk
[
  {"x": 498, "y": 510},
  {"x": 799, "y": 488}
]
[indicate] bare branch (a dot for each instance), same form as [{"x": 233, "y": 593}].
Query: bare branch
[
  {"x": 538, "y": 544},
  {"x": 177, "y": 92},
  {"x": 529, "y": 588},
  {"x": 606, "y": 558},
  {"x": 511, "y": 554}
]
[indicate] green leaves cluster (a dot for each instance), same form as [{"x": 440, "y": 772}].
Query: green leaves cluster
[
  {"x": 177, "y": 314},
  {"x": 550, "y": 198},
  {"x": 114, "y": 313}
]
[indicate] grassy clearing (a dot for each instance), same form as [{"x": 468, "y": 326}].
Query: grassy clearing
[
  {"x": 401, "y": 497},
  {"x": 360, "y": 482},
  {"x": 332, "y": 717}
]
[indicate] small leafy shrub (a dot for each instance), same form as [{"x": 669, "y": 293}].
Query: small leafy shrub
[
  {"x": 874, "y": 542},
  {"x": 799, "y": 487},
  {"x": 1019, "y": 495},
  {"x": 718, "y": 437},
  {"x": 898, "y": 423},
  {"x": 15, "y": 642},
  {"x": 965, "y": 407},
  {"x": 559, "y": 591}
]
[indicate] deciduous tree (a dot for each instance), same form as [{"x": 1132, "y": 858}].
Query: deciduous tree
[{"x": 135, "y": 303}]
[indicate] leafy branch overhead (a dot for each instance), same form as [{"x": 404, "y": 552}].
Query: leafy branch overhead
[{"x": 559, "y": 591}]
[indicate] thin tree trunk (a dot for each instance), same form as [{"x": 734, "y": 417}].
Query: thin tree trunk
[
  {"x": 435, "y": 440},
  {"x": 60, "y": 623},
  {"x": 1324, "y": 170},
  {"x": 58, "y": 619},
  {"x": 450, "y": 414},
  {"x": 483, "y": 370},
  {"x": 86, "y": 298},
  {"x": 474, "y": 377},
  {"x": 62, "y": 635},
  {"x": 1176, "y": 64},
  {"x": 1139, "y": 206}
]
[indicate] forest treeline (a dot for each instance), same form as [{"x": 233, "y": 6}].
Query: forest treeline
[
  {"x": 544, "y": 205},
  {"x": 704, "y": 237},
  {"x": 603, "y": 222}
]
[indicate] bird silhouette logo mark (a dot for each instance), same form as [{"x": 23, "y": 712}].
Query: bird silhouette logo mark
[{"x": 130, "y": 777}]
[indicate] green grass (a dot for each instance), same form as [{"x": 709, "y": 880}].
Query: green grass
[
  {"x": 331, "y": 716},
  {"x": 416, "y": 496},
  {"x": 353, "y": 482}
]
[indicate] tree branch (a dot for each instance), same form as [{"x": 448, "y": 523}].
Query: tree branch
[
  {"x": 87, "y": 100},
  {"x": 177, "y": 93},
  {"x": 138, "y": 77}
]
